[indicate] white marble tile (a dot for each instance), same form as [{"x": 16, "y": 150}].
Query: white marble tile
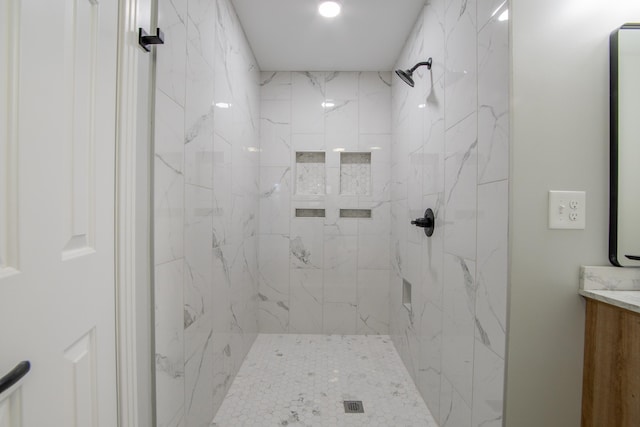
[
  {"x": 375, "y": 109},
  {"x": 340, "y": 269},
  {"x": 306, "y": 301},
  {"x": 222, "y": 196},
  {"x": 414, "y": 190},
  {"x": 434, "y": 141},
  {"x": 308, "y": 94},
  {"x": 433, "y": 255},
  {"x": 307, "y": 245},
  {"x": 307, "y": 142},
  {"x": 493, "y": 101},
  {"x": 429, "y": 373},
  {"x": 275, "y": 85},
  {"x": 373, "y": 300},
  {"x": 380, "y": 221},
  {"x": 490, "y": 10},
  {"x": 169, "y": 340},
  {"x": 340, "y": 124},
  {"x": 459, "y": 324},
  {"x": 275, "y": 198},
  {"x": 201, "y": 28},
  {"x": 488, "y": 387},
  {"x": 302, "y": 379},
  {"x": 169, "y": 180},
  {"x": 339, "y": 318},
  {"x": 341, "y": 85},
  {"x": 492, "y": 279},
  {"x": 171, "y": 79},
  {"x": 373, "y": 251},
  {"x": 199, "y": 381},
  {"x": 378, "y": 144},
  {"x": 198, "y": 272},
  {"x": 275, "y": 133},
  {"x": 198, "y": 123},
  {"x": 274, "y": 290},
  {"x": 454, "y": 411},
  {"x": 460, "y": 58},
  {"x": 460, "y": 188}
]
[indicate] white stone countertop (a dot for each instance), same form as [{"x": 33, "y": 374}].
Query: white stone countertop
[{"x": 618, "y": 286}]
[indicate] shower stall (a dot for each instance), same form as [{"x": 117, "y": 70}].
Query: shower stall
[{"x": 284, "y": 201}]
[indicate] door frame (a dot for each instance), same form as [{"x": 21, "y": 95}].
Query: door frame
[{"x": 133, "y": 226}]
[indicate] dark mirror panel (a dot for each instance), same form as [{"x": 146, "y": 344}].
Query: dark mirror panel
[{"x": 624, "y": 216}]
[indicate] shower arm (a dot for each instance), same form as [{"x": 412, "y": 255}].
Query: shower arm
[{"x": 419, "y": 64}]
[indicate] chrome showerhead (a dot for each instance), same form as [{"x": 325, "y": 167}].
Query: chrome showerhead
[{"x": 407, "y": 75}]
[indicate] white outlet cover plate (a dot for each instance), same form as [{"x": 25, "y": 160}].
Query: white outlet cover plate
[{"x": 564, "y": 205}]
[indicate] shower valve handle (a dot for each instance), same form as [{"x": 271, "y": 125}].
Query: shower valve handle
[
  {"x": 427, "y": 222},
  {"x": 422, "y": 222}
]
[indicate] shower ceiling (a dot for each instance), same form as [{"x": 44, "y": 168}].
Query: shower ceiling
[{"x": 290, "y": 35}]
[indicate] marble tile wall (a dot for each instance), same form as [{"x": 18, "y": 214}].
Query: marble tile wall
[
  {"x": 324, "y": 275},
  {"x": 450, "y": 152},
  {"x": 206, "y": 207}
]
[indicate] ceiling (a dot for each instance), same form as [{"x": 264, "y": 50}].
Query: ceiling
[{"x": 290, "y": 35}]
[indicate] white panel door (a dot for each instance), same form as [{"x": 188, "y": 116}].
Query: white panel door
[{"x": 57, "y": 151}]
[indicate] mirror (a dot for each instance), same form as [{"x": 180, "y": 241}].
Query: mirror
[{"x": 624, "y": 206}]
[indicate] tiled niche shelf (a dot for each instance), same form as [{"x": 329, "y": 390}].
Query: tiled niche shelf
[
  {"x": 406, "y": 294},
  {"x": 310, "y": 173},
  {"x": 355, "y": 174},
  {"x": 355, "y": 213},
  {"x": 310, "y": 213}
]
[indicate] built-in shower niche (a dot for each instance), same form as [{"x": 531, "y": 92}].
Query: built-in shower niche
[
  {"x": 355, "y": 174},
  {"x": 310, "y": 173}
]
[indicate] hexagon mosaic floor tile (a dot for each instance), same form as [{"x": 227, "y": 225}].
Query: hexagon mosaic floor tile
[{"x": 302, "y": 380}]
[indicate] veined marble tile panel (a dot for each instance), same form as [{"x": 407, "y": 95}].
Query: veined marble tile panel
[
  {"x": 275, "y": 86},
  {"x": 275, "y": 133},
  {"x": 198, "y": 270},
  {"x": 493, "y": 101},
  {"x": 488, "y": 387},
  {"x": 171, "y": 77},
  {"x": 491, "y": 293},
  {"x": 275, "y": 199},
  {"x": 169, "y": 339},
  {"x": 308, "y": 95},
  {"x": 461, "y": 166},
  {"x": 306, "y": 301},
  {"x": 461, "y": 88},
  {"x": 373, "y": 300},
  {"x": 459, "y": 324},
  {"x": 201, "y": 28},
  {"x": 375, "y": 108}
]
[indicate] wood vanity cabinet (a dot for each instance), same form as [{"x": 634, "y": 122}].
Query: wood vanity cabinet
[{"x": 611, "y": 378}]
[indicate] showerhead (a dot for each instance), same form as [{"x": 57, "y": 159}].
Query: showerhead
[{"x": 407, "y": 75}]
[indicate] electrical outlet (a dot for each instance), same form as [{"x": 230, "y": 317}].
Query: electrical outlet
[{"x": 567, "y": 209}]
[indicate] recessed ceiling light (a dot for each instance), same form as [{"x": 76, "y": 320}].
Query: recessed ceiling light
[
  {"x": 329, "y": 9},
  {"x": 328, "y": 104}
]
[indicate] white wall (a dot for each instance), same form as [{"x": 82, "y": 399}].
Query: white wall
[
  {"x": 324, "y": 275},
  {"x": 560, "y": 141}
]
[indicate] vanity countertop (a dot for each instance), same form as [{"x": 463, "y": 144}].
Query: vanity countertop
[{"x": 613, "y": 285}]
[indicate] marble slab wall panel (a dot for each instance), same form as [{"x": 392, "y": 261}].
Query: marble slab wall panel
[
  {"x": 206, "y": 207},
  {"x": 449, "y": 152},
  {"x": 333, "y": 277}
]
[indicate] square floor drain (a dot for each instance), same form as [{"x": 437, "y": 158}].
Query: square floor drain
[{"x": 353, "y": 407}]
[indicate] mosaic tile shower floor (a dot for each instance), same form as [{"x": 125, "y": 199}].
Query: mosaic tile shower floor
[{"x": 302, "y": 380}]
